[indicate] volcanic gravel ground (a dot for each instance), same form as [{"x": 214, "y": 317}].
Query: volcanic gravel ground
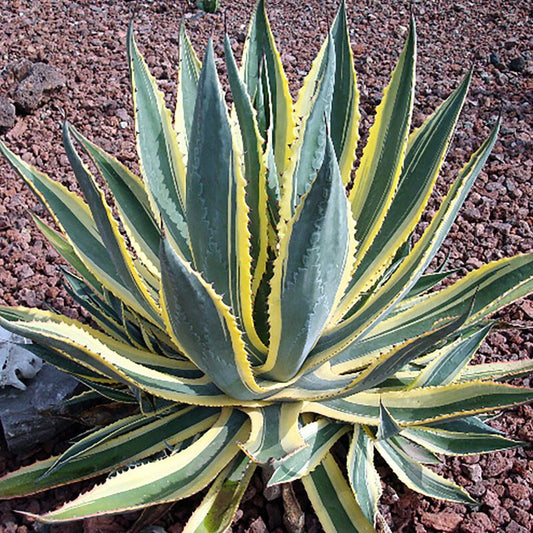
[{"x": 85, "y": 42}]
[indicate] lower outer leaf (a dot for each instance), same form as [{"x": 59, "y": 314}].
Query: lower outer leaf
[
  {"x": 333, "y": 500},
  {"x": 275, "y": 433},
  {"x": 169, "y": 479},
  {"x": 459, "y": 443},
  {"x": 152, "y": 438},
  {"x": 418, "y": 477},
  {"x": 423, "y": 405},
  {"x": 319, "y": 437},
  {"x": 491, "y": 287},
  {"x": 217, "y": 509},
  {"x": 362, "y": 474}
]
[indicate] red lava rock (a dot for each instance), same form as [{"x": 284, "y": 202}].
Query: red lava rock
[
  {"x": 477, "y": 490},
  {"x": 496, "y": 465},
  {"x": 443, "y": 521},
  {"x": 102, "y": 524},
  {"x": 527, "y": 307},
  {"x": 522, "y": 516},
  {"x": 41, "y": 78},
  {"x": 257, "y": 526},
  {"x": 526, "y": 432},
  {"x": 499, "y": 516},
  {"x": 477, "y": 523},
  {"x": 518, "y": 491},
  {"x": 7, "y": 114},
  {"x": 514, "y": 527},
  {"x": 473, "y": 472},
  {"x": 491, "y": 499}
]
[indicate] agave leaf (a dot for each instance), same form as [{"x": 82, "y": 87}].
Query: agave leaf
[
  {"x": 345, "y": 103},
  {"x": 61, "y": 361},
  {"x": 388, "y": 427},
  {"x": 319, "y": 437},
  {"x": 275, "y": 433},
  {"x": 74, "y": 218},
  {"x": 211, "y": 186},
  {"x": 426, "y": 282},
  {"x": 445, "y": 368},
  {"x": 103, "y": 315},
  {"x": 420, "y": 170},
  {"x": 273, "y": 190},
  {"x": 494, "y": 371},
  {"x": 415, "y": 451},
  {"x": 467, "y": 424},
  {"x": 161, "y": 162},
  {"x": 258, "y": 47},
  {"x": 132, "y": 202},
  {"x": 218, "y": 508},
  {"x": 188, "y": 76},
  {"x": 254, "y": 168},
  {"x": 324, "y": 382},
  {"x": 345, "y": 98},
  {"x": 418, "y": 477},
  {"x": 186, "y": 423},
  {"x": 220, "y": 240},
  {"x": 67, "y": 252},
  {"x": 204, "y": 327},
  {"x": 318, "y": 384},
  {"x": 333, "y": 500},
  {"x": 157, "y": 432},
  {"x": 458, "y": 442},
  {"x": 307, "y": 152},
  {"x": 163, "y": 480},
  {"x": 37, "y": 325},
  {"x": 494, "y": 286},
  {"x": 110, "y": 393},
  {"x": 394, "y": 360},
  {"x": 398, "y": 285},
  {"x": 309, "y": 271},
  {"x": 362, "y": 474},
  {"x": 109, "y": 232},
  {"x": 377, "y": 177},
  {"x": 423, "y": 405}
]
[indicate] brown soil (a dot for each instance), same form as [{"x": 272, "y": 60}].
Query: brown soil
[{"x": 85, "y": 41}]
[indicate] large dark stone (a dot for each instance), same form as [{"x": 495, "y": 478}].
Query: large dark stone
[
  {"x": 517, "y": 64},
  {"x": 25, "y": 414},
  {"x": 40, "y": 79}
]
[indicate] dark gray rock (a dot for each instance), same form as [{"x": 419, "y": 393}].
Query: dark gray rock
[
  {"x": 40, "y": 79},
  {"x": 518, "y": 64},
  {"x": 24, "y": 414},
  {"x": 7, "y": 114},
  {"x": 494, "y": 59}
]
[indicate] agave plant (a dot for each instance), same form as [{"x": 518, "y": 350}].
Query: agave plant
[{"x": 260, "y": 312}]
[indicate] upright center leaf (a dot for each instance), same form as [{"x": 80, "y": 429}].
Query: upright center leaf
[
  {"x": 211, "y": 187},
  {"x": 308, "y": 273}
]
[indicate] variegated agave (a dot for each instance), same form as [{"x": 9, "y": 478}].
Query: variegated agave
[{"x": 261, "y": 313}]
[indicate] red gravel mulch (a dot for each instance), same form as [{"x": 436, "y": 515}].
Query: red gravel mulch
[{"x": 85, "y": 42}]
